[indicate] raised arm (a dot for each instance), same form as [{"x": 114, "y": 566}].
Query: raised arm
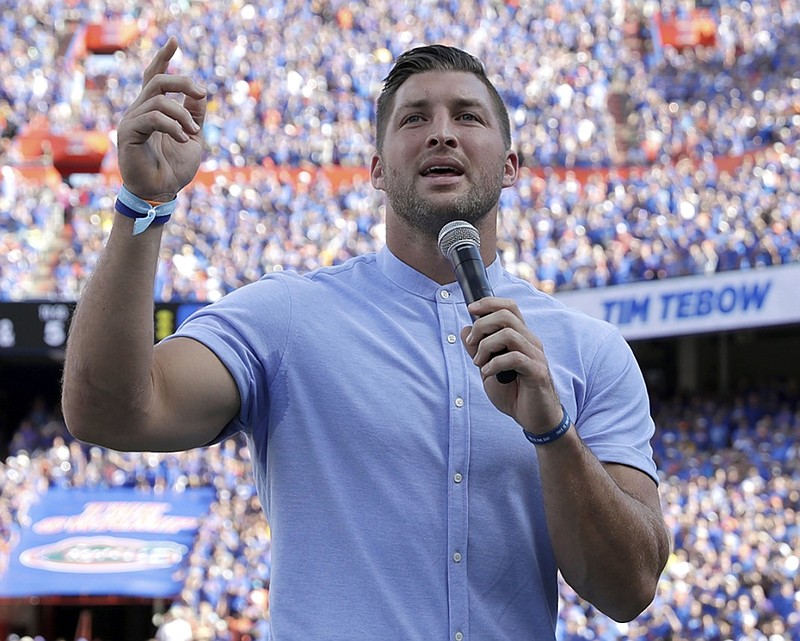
[{"x": 119, "y": 390}]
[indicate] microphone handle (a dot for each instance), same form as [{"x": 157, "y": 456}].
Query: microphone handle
[{"x": 471, "y": 277}]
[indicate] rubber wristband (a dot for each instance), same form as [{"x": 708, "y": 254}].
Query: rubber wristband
[
  {"x": 143, "y": 212},
  {"x": 553, "y": 435}
]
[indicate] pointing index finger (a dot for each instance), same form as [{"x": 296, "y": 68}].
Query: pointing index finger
[{"x": 160, "y": 63}]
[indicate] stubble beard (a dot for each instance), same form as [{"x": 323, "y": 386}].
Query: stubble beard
[{"x": 426, "y": 217}]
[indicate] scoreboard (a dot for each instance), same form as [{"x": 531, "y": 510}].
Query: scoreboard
[{"x": 40, "y": 328}]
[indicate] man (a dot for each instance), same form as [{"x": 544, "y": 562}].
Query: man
[{"x": 411, "y": 495}]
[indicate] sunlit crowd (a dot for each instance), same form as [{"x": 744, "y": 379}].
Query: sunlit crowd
[{"x": 294, "y": 84}]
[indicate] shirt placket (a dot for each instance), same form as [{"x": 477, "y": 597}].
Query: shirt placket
[{"x": 457, "y": 463}]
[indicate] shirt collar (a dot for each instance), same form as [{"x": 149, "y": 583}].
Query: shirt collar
[{"x": 417, "y": 283}]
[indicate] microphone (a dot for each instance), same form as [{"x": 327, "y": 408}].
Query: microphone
[{"x": 460, "y": 243}]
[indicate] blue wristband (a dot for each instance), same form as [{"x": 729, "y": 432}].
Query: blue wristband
[
  {"x": 143, "y": 213},
  {"x": 553, "y": 435}
]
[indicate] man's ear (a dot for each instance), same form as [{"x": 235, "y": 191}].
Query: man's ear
[
  {"x": 511, "y": 169},
  {"x": 376, "y": 172}
]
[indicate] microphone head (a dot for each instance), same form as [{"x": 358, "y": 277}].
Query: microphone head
[{"x": 455, "y": 234}]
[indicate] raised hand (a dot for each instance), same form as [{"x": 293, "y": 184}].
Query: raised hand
[
  {"x": 500, "y": 341},
  {"x": 160, "y": 141}
]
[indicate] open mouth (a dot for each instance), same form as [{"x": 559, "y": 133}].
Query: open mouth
[{"x": 442, "y": 170}]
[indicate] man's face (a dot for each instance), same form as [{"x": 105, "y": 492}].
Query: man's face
[{"x": 443, "y": 156}]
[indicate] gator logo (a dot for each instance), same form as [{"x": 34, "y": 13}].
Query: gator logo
[{"x": 103, "y": 554}]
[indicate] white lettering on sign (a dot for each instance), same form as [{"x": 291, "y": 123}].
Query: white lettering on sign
[{"x": 119, "y": 516}]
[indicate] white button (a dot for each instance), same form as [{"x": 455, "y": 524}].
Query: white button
[
  {"x": 451, "y": 338},
  {"x": 459, "y": 402},
  {"x": 444, "y": 293},
  {"x": 457, "y": 477},
  {"x": 457, "y": 557},
  {"x": 459, "y": 636}
]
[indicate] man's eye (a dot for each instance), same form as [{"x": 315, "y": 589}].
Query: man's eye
[
  {"x": 468, "y": 116},
  {"x": 412, "y": 119}
]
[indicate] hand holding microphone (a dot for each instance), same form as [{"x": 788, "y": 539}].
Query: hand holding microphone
[{"x": 460, "y": 243}]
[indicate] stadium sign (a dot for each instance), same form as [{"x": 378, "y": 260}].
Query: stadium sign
[
  {"x": 40, "y": 328},
  {"x": 98, "y": 542},
  {"x": 695, "y": 304}
]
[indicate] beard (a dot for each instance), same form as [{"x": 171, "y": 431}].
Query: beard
[{"x": 427, "y": 217}]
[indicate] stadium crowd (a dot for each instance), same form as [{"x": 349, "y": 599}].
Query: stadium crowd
[
  {"x": 730, "y": 493},
  {"x": 557, "y": 233},
  {"x": 293, "y": 84}
]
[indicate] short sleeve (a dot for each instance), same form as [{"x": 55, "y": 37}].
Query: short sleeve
[
  {"x": 614, "y": 419},
  {"x": 247, "y": 330}
]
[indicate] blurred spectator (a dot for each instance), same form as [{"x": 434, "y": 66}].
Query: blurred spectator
[{"x": 175, "y": 625}]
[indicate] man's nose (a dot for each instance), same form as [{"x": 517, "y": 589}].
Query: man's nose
[{"x": 442, "y": 133}]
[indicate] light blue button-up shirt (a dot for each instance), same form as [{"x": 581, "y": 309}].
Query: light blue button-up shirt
[{"x": 403, "y": 504}]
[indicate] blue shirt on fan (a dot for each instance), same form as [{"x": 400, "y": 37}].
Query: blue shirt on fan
[{"x": 402, "y": 503}]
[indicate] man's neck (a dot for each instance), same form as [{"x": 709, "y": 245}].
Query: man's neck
[{"x": 422, "y": 253}]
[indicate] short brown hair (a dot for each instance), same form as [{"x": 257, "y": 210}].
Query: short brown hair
[{"x": 435, "y": 58}]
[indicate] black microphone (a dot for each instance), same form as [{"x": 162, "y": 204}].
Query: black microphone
[{"x": 460, "y": 243}]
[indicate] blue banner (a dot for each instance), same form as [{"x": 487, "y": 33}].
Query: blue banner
[
  {"x": 119, "y": 542},
  {"x": 695, "y": 304}
]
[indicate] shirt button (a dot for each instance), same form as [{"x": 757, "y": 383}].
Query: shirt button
[
  {"x": 444, "y": 294},
  {"x": 457, "y": 477},
  {"x": 451, "y": 338},
  {"x": 459, "y": 636},
  {"x": 459, "y": 402},
  {"x": 457, "y": 557}
]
